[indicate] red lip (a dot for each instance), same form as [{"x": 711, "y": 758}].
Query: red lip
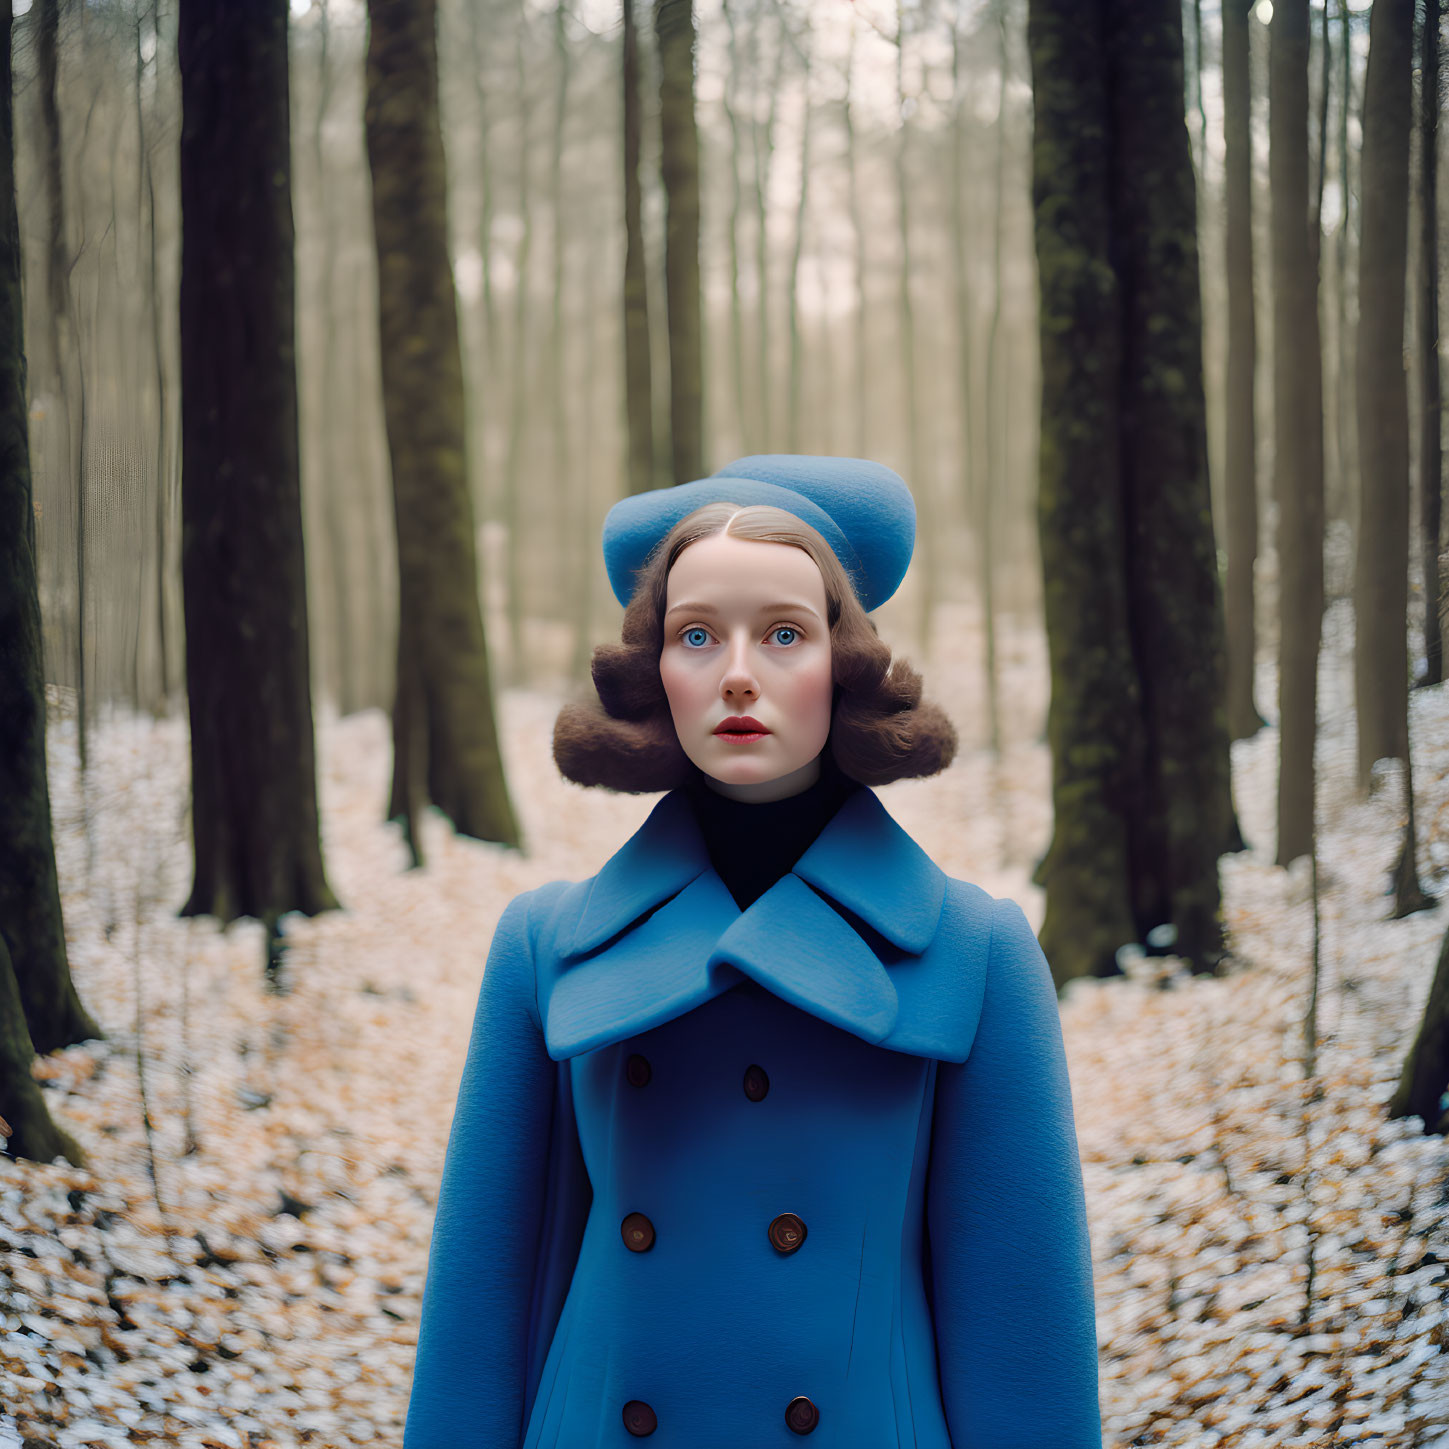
[{"x": 740, "y": 724}]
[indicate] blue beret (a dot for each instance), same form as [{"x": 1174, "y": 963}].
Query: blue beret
[{"x": 863, "y": 510}]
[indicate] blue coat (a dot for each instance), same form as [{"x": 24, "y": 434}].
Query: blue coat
[{"x": 726, "y": 1180}]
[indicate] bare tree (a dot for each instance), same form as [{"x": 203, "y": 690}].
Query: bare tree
[
  {"x": 1240, "y": 485},
  {"x": 39, "y": 1007},
  {"x": 1094, "y": 721},
  {"x": 993, "y": 477},
  {"x": 762, "y": 143},
  {"x": 1431, "y": 450},
  {"x": 521, "y": 367},
  {"x": 1298, "y": 426},
  {"x": 802, "y": 201},
  {"x": 920, "y": 481},
  {"x": 638, "y": 381},
  {"x": 1345, "y": 433},
  {"x": 146, "y": 189},
  {"x": 1420, "y": 1092},
  {"x": 679, "y": 168},
  {"x": 857, "y": 229},
  {"x": 445, "y": 739},
  {"x": 1381, "y": 665},
  {"x": 971, "y": 481},
  {"x": 254, "y": 780},
  {"x": 737, "y": 199}
]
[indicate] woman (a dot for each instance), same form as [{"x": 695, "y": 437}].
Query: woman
[{"x": 765, "y": 1130}]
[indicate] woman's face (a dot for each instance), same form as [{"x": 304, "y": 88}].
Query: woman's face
[{"x": 746, "y": 659}]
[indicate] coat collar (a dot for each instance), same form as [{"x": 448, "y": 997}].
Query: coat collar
[
  {"x": 861, "y": 860},
  {"x": 658, "y": 934}
]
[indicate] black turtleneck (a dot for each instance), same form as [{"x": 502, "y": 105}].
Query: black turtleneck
[{"x": 751, "y": 845}]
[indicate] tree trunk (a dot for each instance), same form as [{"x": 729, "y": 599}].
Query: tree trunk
[
  {"x": 1298, "y": 427},
  {"x": 1140, "y": 770},
  {"x": 920, "y": 479},
  {"x": 797, "y": 361},
  {"x": 1409, "y": 895},
  {"x": 562, "y": 473},
  {"x": 857, "y": 231},
  {"x": 146, "y": 187},
  {"x": 488, "y": 353},
  {"x": 1381, "y": 601},
  {"x": 1183, "y": 820},
  {"x": 993, "y": 476},
  {"x": 63, "y": 364},
  {"x": 763, "y": 148},
  {"x": 1093, "y": 721},
  {"x": 743, "y": 435},
  {"x": 965, "y": 373},
  {"x": 254, "y": 794},
  {"x": 339, "y": 490},
  {"x": 34, "y": 974},
  {"x": 638, "y": 381},
  {"x": 1345, "y": 433},
  {"x": 522, "y": 371},
  {"x": 444, "y": 736},
  {"x": 1425, "y": 1077},
  {"x": 1431, "y": 455},
  {"x": 679, "y": 170},
  {"x": 1240, "y": 453},
  {"x": 24, "y": 1117}
]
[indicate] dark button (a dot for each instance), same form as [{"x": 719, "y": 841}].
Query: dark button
[
  {"x": 640, "y": 1419},
  {"x": 787, "y": 1232},
  {"x": 756, "y": 1083},
  {"x": 636, "y": 1069},
  {"x": 801, "y": 1415},
  {"x": 638, "y": 1234}
]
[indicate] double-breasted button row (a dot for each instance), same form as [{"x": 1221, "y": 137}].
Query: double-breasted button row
[
  {"x": 786, "y": 1233},
  {"x": 637, "y": 1073},
  {"x": 641, "y": 1421}
]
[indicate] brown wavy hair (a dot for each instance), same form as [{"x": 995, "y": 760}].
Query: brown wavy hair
[{"x": 881, "y": 729}]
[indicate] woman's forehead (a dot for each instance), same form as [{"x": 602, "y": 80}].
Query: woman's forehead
[{"x": 725, "y": 569}]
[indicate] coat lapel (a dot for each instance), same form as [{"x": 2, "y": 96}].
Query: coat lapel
[{"x": 847, "y": 935}]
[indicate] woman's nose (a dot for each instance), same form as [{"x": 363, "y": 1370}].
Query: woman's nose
[{"x": 739, "y": 677}]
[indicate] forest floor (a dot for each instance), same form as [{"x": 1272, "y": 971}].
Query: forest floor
[{"x": 242, "y": 1261}]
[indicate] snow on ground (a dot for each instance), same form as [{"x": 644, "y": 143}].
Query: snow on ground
[{"x": 263, "y": 1288}]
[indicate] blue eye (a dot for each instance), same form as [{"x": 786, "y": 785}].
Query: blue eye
[
  {"x": 695, "y": 638},
  {"x": 786, "y": 629}
]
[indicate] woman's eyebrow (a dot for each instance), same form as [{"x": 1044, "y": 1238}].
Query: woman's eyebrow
[{"x": 785, "y": 607}]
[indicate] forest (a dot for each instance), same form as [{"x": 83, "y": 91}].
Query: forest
[{"x": 331, "y": 330}]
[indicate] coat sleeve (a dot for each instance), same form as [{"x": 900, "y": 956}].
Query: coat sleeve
[
  {"x": 469, "y": 1382},
  {"x": 1010, "y": 1259}
]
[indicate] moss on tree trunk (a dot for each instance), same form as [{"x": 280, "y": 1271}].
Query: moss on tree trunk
[
  {"x": 1137, "y": 721},
  {"x": 1182, "y": 820},
  {"x": 445, "y": 737},
  {"x": 1094, "y": 722}
]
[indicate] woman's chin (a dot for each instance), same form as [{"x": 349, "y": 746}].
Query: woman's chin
[{"x": 759, "y": 777}]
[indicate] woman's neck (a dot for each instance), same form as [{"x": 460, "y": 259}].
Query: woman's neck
[
  {"x": 761, "y": 792},
  {"x": 752, "y": 844}
]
